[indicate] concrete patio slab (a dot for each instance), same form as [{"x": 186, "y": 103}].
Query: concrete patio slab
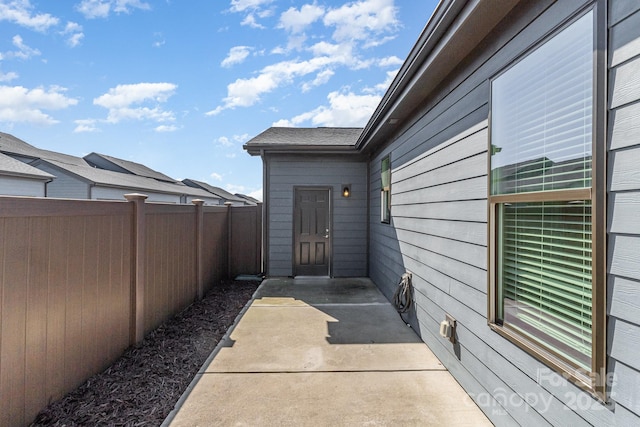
[
  {"x": 330, "y": 399},
  {"x": 290, "y": 337},
  {"x": 323, "y": 352}
]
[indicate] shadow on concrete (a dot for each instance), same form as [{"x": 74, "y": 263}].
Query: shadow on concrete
[{"x": 359, "y": 312}]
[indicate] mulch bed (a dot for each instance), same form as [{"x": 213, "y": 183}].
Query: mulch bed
[{"x": 143, "y": 386}]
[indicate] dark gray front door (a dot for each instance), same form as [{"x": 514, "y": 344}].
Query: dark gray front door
[{"x": 311, "y": 232}]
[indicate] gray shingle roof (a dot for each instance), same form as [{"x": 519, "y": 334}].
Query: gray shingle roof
[
  {"x": 13, "y": 145},
  {"x": 303, "y": 139},
  {"x": 12, "y": 167},
  {"x": 248, "y": 198},
  {"x": 122, "y": 180},
  {"x": 213, "y": 190},
  {"x": 129, "y": 166}
]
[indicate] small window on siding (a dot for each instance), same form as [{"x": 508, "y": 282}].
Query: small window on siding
[
  {"x": 385, "y": 191},
  {"x": 544, "y": 289}
]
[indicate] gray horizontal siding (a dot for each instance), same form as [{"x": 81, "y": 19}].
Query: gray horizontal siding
[
  {"x": 16, "y": 186},
  {"x": 349, "y": 215},
  {"x": 65, "y": 185},
  {"x": 624, "y": 209},
  {"x": 110, "y": 193},
  {"x": 439, "y": 229}
]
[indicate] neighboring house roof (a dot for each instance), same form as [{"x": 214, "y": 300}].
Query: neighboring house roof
[
  {"x": 9, "y": 144},
  {"x": 108, "y": 178},
  {"x": 125, "y": 166},
  {"x": 287, "y": 139},
  {"x": 12, "y": 167},
  {"x": 217, "y": 191},
  {"x": 248, "y": 198}
]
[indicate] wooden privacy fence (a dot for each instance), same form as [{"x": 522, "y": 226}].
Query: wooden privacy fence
[{"x": 81, "y": 280}]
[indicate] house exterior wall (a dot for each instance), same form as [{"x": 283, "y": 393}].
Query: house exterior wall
[
  {"x": 349, "y": 238},
  {"x": 624, "y": 208},
  {"x": 65, "y": 186},
  {"x": 212, "y": 201},
  {"x": 110, "y": 193},
  {"x": 438, "y": 229},
  {"x": 16, "y": 186}
]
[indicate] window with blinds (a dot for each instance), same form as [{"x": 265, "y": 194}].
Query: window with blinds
[
  {"x": 541, "y": 197},
  {"x": 545, "y": 275},
  {"x": 385, "y": 190}
]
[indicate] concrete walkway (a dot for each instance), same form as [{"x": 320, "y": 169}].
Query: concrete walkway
[{"x": 320, "y": 352}]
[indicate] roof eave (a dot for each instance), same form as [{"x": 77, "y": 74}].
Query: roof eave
[
  {"x": 260, "y": 149},
  {"x": 45, "y": 178}
]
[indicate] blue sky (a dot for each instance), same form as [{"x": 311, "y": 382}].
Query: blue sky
[{"x": 180, "y": 85}]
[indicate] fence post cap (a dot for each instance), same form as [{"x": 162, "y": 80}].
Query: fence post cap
[
  {"x": 228, "y": 204},
  {"x": 135, "y": 196},
  {"x": 198, "y": 202}
]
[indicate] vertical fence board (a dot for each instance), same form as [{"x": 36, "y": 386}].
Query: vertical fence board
[
  {"x": 14, "y": 307},
  {"x": 119, "y": 276},
  {"x": 36, "y": 321},
  {"x": 90, "y": 294},
  {"x": 74, "y": 374},
  {"x": 246, "y": 234},
  {"x": 57, "y": 310},
  {"x": 103, "y": 290},
  {"x": 215, "y": 254}
]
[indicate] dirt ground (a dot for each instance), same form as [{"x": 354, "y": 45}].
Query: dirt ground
[{"x": 142, "y": 387}]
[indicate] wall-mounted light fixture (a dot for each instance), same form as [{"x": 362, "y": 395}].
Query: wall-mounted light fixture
[{"x": 346, "y": 190}]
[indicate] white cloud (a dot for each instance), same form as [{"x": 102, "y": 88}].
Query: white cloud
[
  {"x": 295, "y": 21},
  {"x": 23, "y": 52},
  {"x": 344, "y": 110},
  {"x": 257, "y": 194},
  {"x": 7, "y": 77},
  {"x": 382, "y": 87},
  {"x": 102, "y": 8},
  {"x": 247, "y": 92},
  {"x": 216, "y": 176},
  {"x": 390, "y": 61},
  {"x": 250, "y": 21},
  {"x": 74, "y": 31},
  {"x": 252, "y": 8},
  {"x": 361, "y": 20},
  {"x": 20, "y": 12},
  {"x": 85, "y": 126},
  {"x": 321, "y": 78},
  {"x": 116, "y": 115},
  {"x": 236, "y": 55},
  {"x": 242, "y": 5},
  {"x": 283, "y": 123},
  {"x": 125, "y": 95},
  {"x": 377, "y": 41},
  {"x": 19, "y": 104},
  {"x": 225, "y": 142},
  {"x": 119, "y": 102},
  {"x": 166, "y": 128},
  {"x": 356, "y": 24},
  {"x": 241, "y": 138}
]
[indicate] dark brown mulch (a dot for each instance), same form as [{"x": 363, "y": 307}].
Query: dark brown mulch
[{"x": 142, "y": 387}]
